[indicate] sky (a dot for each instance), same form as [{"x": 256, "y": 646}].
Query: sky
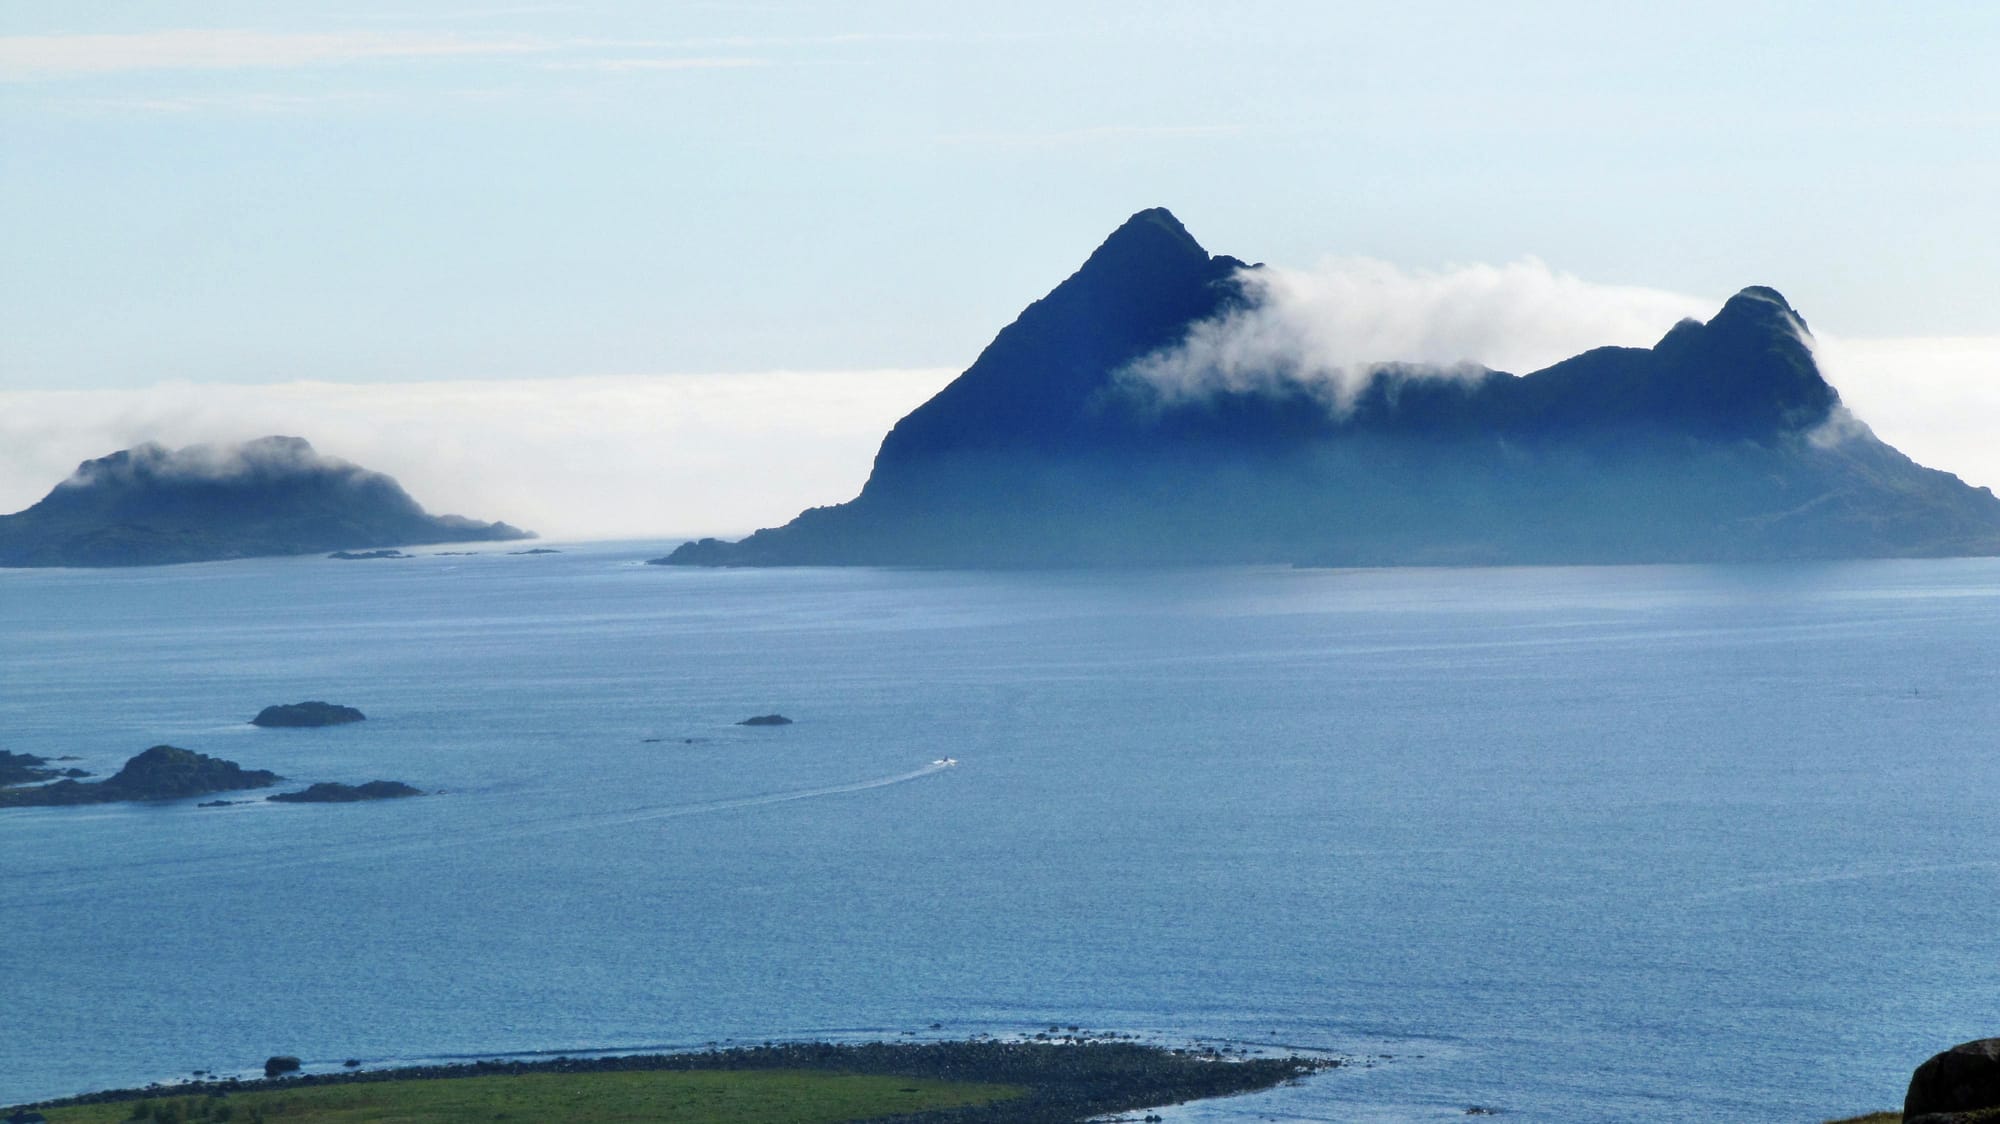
[{"x": 737, "y": 240}]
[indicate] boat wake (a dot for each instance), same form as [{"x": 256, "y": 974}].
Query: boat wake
[
  {"x": 708, "y": 806},
  {"x": 424, "y": 839}
]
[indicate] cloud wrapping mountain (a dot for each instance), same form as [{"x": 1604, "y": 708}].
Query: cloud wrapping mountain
[
  {"x": 1166, "y": 406},
  {"x": 1325, "y": 331}
]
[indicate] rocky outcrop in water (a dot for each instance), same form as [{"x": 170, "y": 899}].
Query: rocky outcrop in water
[
  {"x": 279, "y": 1064},
  {"x": 163, "y": 772},
  {"x": 330, "y": 792},
  {"x": 309, "y": 713},
  {"x": 766, "y": 720},
  {"x": 23, "y": 768}
]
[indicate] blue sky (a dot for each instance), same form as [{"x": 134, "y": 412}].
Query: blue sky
[{"x": 359, "y": 191}]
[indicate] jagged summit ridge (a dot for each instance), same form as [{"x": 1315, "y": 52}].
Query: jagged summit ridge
[{"x": 1712, "y": 445}]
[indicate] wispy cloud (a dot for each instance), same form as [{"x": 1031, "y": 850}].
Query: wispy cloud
[
  {"x": 249, "y": 101},
  {"x": 31, "y": 57},
  {"x": 43, "y": 57},
  {"x": 622, "y": 65},
  {"x": 1095, "y": 134}
]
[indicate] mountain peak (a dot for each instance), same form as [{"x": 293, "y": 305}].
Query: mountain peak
[
  {"x": 1763, "y": 305},
  {"x": 1749, "y": 370},
  {"x": 1136, "y": 293},
  {"x": 1150, "y": 239}
]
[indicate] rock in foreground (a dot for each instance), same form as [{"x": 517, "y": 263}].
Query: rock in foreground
[
  {"x": 330, "y": 792},
  {"x": 163, "y": 772},
  {"x": 150, "y": 506},
  {"x": 309, "y": 713},
  {"x": 1958, "y": 1086}
]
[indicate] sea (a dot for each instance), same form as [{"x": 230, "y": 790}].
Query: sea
[{"x": 1639, "y": 843}]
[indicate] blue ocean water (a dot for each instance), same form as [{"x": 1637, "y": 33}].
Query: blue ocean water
[{"x": 1630, "y": 843}]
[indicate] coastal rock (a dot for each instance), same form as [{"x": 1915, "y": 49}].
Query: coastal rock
[
  {"x": 163, "y": 772},
  {"x": 330, "y": 792},
  {"x": 766, "y": 720},
  {"x": 309, "y": 713},
  {"x": 151, "y": 506},
  {"x": 23, "y": 768},
  {"x": 1963, "y": 1080},
  {"x": 367, "y": 555},
  {"x": 280, "y": 1064}
]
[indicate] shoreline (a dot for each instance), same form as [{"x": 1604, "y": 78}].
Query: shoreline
[{"x": 1065, "y": 1081}]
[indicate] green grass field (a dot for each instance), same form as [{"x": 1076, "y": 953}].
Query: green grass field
[{"x": 667, "y": 1097}]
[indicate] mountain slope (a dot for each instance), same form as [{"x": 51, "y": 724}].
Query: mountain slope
[
  {"x": 276, "y": 495},
  {"x": 1721, "y": 442}
]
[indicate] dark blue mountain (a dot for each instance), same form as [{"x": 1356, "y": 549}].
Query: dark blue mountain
[{"x": 1720, "y": 442}]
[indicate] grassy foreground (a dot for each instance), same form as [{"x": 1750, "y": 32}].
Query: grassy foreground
[
  {"x": 751, "y": 1097},
  {"x": 979, "y": 1082}
]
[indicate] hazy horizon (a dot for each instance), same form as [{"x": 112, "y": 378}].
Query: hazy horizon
[
  {"x": 640, "y": 456},
  {"x": 499, "y": 198}
]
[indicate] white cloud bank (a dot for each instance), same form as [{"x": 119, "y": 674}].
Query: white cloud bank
[
  {"x": 685, "y": 455},
  {"x": 595, "y": 457},
  {"x": 1936, "y": 399},
  {"x": 1325, "y": 328}
]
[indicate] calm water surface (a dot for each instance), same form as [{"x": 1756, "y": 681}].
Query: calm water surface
[{"x": 1661, "y": 844}]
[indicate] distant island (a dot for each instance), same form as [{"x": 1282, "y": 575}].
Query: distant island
[
  {"x": 163, "y": 772},
  {"x": 330, "y": 792},
  {"x": 312, "y": 712},
  {"x": 1722, "y": 442},
  {"x": 150, "y": 505}
]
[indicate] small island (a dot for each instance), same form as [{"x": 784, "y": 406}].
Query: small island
[
  {"x": 309, "y": 713},
  {"x": 332, "y": 792},
  {"x": 163, "y": 772},
  {"x": 366, "y": 555},
  {"x": 154, "y": 506},
  {"x": 766, "y": 720}
]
